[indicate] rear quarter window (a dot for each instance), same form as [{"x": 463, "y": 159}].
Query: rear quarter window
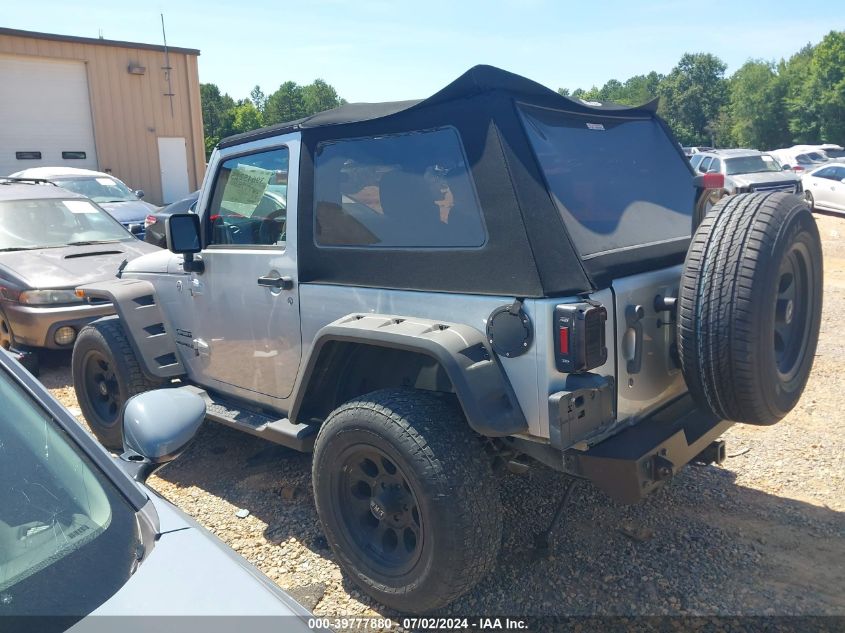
[
  {"x": 411, "y": 190},
  {"x": 617, "y": 183}
]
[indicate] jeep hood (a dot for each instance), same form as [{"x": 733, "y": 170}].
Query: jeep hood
[{"x": 70, "y": 266}]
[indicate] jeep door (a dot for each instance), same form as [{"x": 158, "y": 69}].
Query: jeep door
[{"x": 247, "y": 337}]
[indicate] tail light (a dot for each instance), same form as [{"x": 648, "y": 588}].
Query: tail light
[
  {"x": 149, "y": 221},
  {"x": 580, "y": 337},
  {"x": 713, "y": 181}
]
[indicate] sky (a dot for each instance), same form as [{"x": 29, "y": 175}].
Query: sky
[{"x": 384, "y": 50}]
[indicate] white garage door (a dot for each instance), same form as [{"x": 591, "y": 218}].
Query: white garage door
[{"x": 45, "y": 114}]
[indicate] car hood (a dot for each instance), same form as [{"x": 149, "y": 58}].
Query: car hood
[
  {"x": 763, "y": 176},
  {"x": 129, "y": 211},
  {"x": 190, "y": 572},
  {"x": 70, "y": 266}
]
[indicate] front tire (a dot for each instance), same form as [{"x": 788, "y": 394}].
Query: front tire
[
  {"x": 406, "y": 497},
  {"x": 106, "y": 374},
  {"x": 811, "y": 202}
]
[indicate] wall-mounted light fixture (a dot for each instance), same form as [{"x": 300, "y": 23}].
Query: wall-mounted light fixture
[{"x": 135, "y": 69}]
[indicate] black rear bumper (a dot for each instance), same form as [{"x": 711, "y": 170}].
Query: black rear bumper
[{"x": 640, "y": 459}]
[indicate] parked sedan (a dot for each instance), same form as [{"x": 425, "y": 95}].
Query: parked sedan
[
  {"x": 51, "y": 241},
  {"x": 80, "y": 533},
  {"x": 824, "y": 187},
  {"x": 110, "y": 193},
  {"x": 154, "y": 222}
]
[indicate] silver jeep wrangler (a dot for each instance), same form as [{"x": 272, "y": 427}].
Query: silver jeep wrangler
[{"x": 494, "y": 274}]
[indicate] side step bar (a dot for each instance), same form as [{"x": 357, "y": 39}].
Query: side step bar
[
  {"x": 282, "y": 431},
  {"x": 640, "y": 459}
]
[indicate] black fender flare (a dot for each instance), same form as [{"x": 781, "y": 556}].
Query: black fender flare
[
  {"x": 143, "y": 320},
  {"x": 480, "y": 383}
]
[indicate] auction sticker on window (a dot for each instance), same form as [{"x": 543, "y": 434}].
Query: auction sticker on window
[
  {"x": 106, "y": 182},
  {"x": 79, "y": 206},
  {"x": 245, "y": 187}
]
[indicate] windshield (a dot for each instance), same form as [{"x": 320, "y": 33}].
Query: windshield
[
  {"x": 816, "y": 156},
  {"x": 98, "y": 188},
  {"x": 750, "y": 165},
  {"x": 50, "y": 223},
  {"x": 601, "y": 173},
  {"x": 68, "y": 538}
]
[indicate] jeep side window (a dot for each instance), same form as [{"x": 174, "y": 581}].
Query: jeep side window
[
  {"x": 408, "y": 190},
  {"x": 249, "y": 200}
]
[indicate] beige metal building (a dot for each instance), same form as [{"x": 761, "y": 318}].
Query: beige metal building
[{"x": 129, "y": 109}]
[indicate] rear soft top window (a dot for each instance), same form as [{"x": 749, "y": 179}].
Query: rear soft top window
[{"x": 617, "y": 182}]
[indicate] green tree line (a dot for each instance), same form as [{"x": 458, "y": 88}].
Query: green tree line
[
  {"x": 763, "y": 105},
  {"x": 222, "y": 116}
]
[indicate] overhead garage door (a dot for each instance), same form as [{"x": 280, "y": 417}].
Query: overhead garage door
[{"x": 45, "y": 114}]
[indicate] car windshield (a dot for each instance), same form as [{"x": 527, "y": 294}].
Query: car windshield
[
  {"x": 750, "y": 165},
  {"x": 68, "y": 538},
  {"x": 98, "y": 188},
  {"x": 601, "y": 174},
  {"x": 816, "y": 156},
  {"x": 51, "y": 223}
]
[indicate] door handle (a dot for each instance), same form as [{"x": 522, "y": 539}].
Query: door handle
[{"x": 280, "y": 283}]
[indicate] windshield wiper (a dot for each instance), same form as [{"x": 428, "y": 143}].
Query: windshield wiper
[
  {"x": 118, "y": 200},
  {"x": 90, "y": 242},
  {"x": 24, "y": 248}
]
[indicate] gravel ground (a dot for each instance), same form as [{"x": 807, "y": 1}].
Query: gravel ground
[{"x": 760, "y": 535}]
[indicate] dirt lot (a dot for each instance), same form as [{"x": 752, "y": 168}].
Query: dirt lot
[{"x": 761, "y": 535}]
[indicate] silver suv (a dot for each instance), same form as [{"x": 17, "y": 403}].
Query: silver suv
[
  {"x": 443, "y": 286},
  {"x": 747, "y": 170}
]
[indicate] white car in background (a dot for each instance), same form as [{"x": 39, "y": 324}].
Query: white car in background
[
  {"x": 824, "y": 187},
  {"x": 122, "y": 203},
  {"x": 830, "y": 151},
  {"x": 799, "y": 159}
]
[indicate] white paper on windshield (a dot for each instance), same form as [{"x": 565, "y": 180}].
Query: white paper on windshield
[
  {"x": 245, "y": 187},
  {"x": 79, "y": 206},
  {"x": 108, "y": 182}
]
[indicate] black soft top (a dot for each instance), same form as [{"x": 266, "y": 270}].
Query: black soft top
[
  {"x": 529, "y": 251},
  {"x": 477, "y": 80}
]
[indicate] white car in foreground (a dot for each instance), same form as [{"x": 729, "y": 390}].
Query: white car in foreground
[{"x": 824, "y": 187}]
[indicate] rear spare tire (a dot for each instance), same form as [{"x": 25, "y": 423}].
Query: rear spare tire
[
  {"x": 749, "y": 306},
  {"x": 106, "y": 374}
]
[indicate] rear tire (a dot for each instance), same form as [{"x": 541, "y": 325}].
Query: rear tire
[
  {"x": 106, "y": 374},
  {"x": 749, "y": 308},
  {"x": 406, "y": 496}
]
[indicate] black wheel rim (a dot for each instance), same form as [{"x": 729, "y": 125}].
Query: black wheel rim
[
  {"x": 378, "y": 510},
  {"x": 793, "y": 307},
  {"x": 101, "y": 388},
  {"x": 5, "y": 334}
]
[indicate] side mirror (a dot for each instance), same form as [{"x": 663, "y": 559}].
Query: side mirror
[
  {"x": 136, "y": 229},
  {"x": 157, "y": 426},
  {"x": 139, "y": 193},
  {"x": 182, "y": 232},
  {"x": 786, "y": 168}
]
